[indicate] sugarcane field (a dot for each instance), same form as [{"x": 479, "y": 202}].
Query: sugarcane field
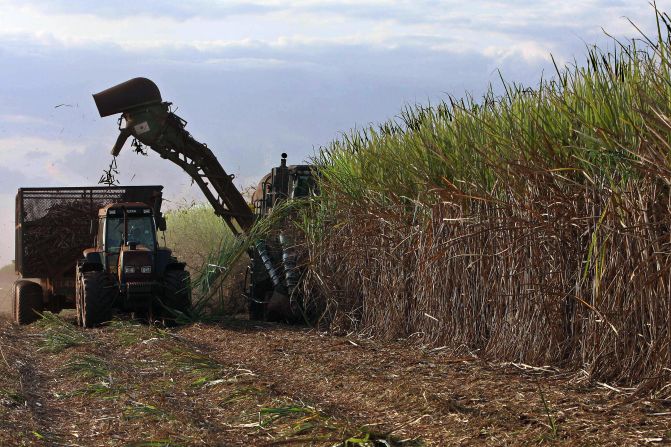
[{"x": 343, "y": 224}]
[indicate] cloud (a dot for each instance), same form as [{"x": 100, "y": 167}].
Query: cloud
[
  {"x": 34, "y": 159},
  {"x": 473, "y": 27},
  {"x": 10, "y": 179},
  {"x": 22, "y": 119},
  {"x": 529, "y": 51},
  {"x": 178, "y": 9},
  {"x": 402, "y": 11},
  {"x": 409, "y": 12},
  {"x": 246, "y": 63}
]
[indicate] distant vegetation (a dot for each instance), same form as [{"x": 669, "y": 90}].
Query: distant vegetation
[
  {"x": 7, "y": 272},
  {"x": 200, "y": 238},
  {"x": 533, "y": 226},
  {"x": 194, "y": 233}
]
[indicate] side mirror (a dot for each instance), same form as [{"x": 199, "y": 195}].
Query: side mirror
[{"x": 161, "y": 224}]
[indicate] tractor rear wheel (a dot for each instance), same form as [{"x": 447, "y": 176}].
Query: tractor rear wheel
[
  {"x": 176, "y": 293},
  {"x": 96, "y": 294},
  {"x": 28, "y": 301}
]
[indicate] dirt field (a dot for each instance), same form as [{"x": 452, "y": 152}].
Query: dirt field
[{"x": 240, "y": 383}]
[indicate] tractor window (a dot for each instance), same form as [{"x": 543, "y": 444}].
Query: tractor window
[
  {"x": 99, "y": 234},
  {"x": 303, "y": 185},
  {"x": 141, "y": 230},
  {"x": 114, "y": 234}
]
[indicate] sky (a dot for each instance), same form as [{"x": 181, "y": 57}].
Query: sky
[{"x": 254, "y": 79}]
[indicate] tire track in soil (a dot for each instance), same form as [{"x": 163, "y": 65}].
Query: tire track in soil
[
  {"x": 34, "y": 391},
  {"x": 342, "y": 377},
  {"x": 17, "y": 350},
  {"x": 135, "y": 403},
  {"x": 221, "y": 401},
  {"x": 181, "y": 416}
]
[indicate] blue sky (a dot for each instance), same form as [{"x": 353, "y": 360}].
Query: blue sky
[{"x": 255, "y": 79}]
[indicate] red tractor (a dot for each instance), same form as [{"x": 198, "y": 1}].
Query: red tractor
[{"x": 128, "y": 270}]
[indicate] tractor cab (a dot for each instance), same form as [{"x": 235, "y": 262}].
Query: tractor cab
[
  {"x": 128, "y": 270},
  {"x": 126, "y": 239}
]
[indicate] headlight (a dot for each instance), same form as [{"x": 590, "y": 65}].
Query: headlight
[
  {"x": 146, "y": 269},
  {"x": 129, "y": 269}
]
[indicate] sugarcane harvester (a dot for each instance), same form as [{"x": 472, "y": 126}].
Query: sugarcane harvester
[{"x": 152, "y": 123}]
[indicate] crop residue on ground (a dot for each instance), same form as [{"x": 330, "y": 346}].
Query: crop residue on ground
[{"x": 245, "y": 383}]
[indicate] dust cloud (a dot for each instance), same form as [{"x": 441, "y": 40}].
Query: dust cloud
[{"x": 6, "y": 282}]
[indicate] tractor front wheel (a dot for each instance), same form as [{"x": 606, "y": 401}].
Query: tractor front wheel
[
  {"x": 176, "y": 293},
  {"x": 96, "y": 294}
]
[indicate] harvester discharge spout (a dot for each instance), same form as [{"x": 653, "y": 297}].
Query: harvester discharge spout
[{"x": 151, "y": 122}]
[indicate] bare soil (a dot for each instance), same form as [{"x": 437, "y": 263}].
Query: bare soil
[{"x": 241, "y": 383}]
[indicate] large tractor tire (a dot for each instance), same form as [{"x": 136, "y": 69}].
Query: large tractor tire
[
  {"x": 96, "y": 294},
  {"x": 176, "y": 293},
  {"x": 27, "y": 301}
]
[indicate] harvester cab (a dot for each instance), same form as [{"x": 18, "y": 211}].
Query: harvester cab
[{"x": 283, "y": 183}]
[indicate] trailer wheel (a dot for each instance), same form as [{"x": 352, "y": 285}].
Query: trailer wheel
[
  {"x": 28, "y": 301},
  {"x": 96, "y": 294},
  {"x": 176, "y": 291}
]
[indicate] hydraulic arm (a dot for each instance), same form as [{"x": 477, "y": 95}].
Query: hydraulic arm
[{"x": 149, "y": 119}]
